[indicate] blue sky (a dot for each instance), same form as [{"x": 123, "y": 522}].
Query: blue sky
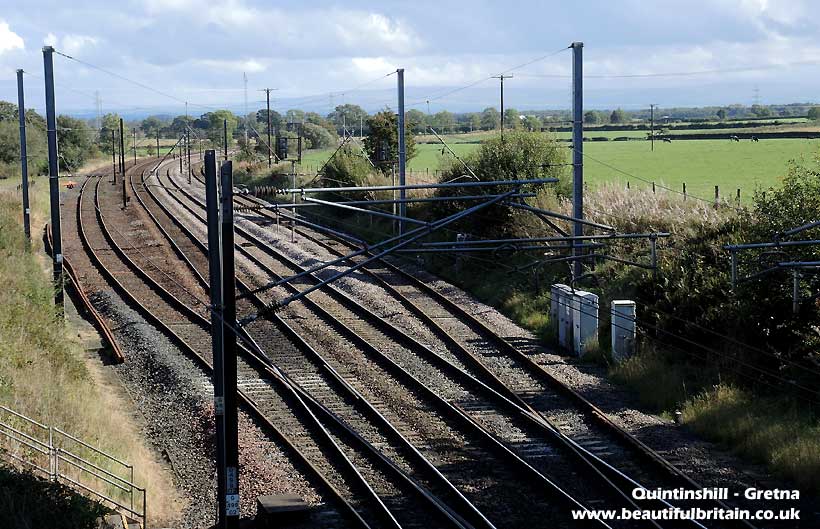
[{"x": 317, "y": 52}]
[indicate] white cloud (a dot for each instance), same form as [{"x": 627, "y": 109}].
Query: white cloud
[
  {"x": 70, "y": 43},
  {"x": 247, "y": 66},
  {"x": 9, "y": 40}
]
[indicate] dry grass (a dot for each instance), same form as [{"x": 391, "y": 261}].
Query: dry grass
[
  {"x": 779, "y": 434},
  {"x": 631, "y": 210},
  {"x": 44, "y": 372}
]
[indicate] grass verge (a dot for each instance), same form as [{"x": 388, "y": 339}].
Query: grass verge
[
  {"x": 780, "y": 434},
  {"x": 44, "y": 372}
]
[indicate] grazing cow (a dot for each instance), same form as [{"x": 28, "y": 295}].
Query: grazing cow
[
  {"x": 667, "y": 140},
  {"x": 734, "y": 138},
  {"x": 754, "y": 138}
]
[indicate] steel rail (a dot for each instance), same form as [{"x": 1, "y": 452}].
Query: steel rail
[
  {"x": 586, "y": 406},
  {"x": 264, "y": 363},
  {"x": 605, "y": 470},
  {"x": 207, "y": 367},
  {"x": 400, "y": 372},
  {"x": 299, "y": 341}
]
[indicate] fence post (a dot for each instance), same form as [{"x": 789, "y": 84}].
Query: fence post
[
  {"x": 52, "y": 459},
  {"x": 717, "y": 196},
  {"x": 627, "y": 185},
  {"x": 684, "y": 190},
  {"x": 738, "y": 196},
  {"x": 653, "y": 187}
]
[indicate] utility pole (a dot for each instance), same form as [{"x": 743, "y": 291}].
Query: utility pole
[
  {"x": 53, "y": 178},
  {"x": 270, "y": 151},
  {"x": 402, "y": 151},
  {"x": 114, "y": 154},
  {"x": 188, "y": 151},
  {"x": 229, "y": 369},
  {"x": 577, "y": 151},
  {"x": 134, "y": 130},
  {"x": 157, "y": 142},
  {"x": 122, "y": 164},
  {"x": 501, "y": 78},
  {"x": 652, "y": 126},
  {"x": 217, "y": 329},
  {"x": 21, "y": 111}
]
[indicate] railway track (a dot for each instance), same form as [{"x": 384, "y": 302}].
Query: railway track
[
  {"x": 474, "y": 465},
  {"x": 478, "y": 413},
  {"x": 271, "y": 400},
  {"x": 514, "y": 371}
]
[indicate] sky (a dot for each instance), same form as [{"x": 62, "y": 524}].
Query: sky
[{"x": 318, "y": 54}]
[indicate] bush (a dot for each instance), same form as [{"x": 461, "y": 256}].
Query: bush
[
  {"x": 521, "y": 155},
  {"x": 348, "y": 168}
]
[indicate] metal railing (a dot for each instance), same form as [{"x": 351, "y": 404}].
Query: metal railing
[{"x": 63, "y": 458}]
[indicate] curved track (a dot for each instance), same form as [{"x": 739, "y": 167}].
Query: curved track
[
  {"x": 481, "y": 414},
  {"x": 286, "y": 412}
]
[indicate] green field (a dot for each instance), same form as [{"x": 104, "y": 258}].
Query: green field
[{"x": 701, "y": 164}]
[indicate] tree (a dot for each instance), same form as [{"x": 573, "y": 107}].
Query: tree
[
  {"x": 214, "y": 128},
  {"x": 591, "y": 117},
  {"x": 490, "y": 119},
  {"x": 276, "y": 120},
  {"x": 512, "y": 119},
  {"x": 532, "y": 124},
  {"x": 814, "y": 113},
  {"x": 761, "y": 111},
  {"x": 721, "y": 114},
  {"x": 295, "y": 115},
  {"x": 618, "y": 116},
  {"x": 109, "y": 123},
  {"x": 316, "y": 119},
  {"x": 347, "y": 116},
  {"x": 474, "y": 121},
  {"x": 444, "y": 121},
  {"x": 74, "y": 141},
  {"x": 177, "y": 127},
  {"x": 383, "y": 128},
  {"x": 417, "y": 119},
  {"x": 151, "y": 125},
  {"x": 317, "y": 136}
]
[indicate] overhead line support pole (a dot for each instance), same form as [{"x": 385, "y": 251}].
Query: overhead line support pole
[
  {"x": 270, "y": 152},
  {"x": 21, "y": 111},
  {"x": 229, "y": 368},
  {"x": 188, "y": 151},
  {"x": 215, "y": 278},
  {"x": 53, "y": 178},
  {"x": 402, "y": 152},
  {"x": 134, "y": 130},
  {"x": 122, "y": 163},
  {"x": 114, "y": 154},
  {"x": 577, "y": 149}
]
